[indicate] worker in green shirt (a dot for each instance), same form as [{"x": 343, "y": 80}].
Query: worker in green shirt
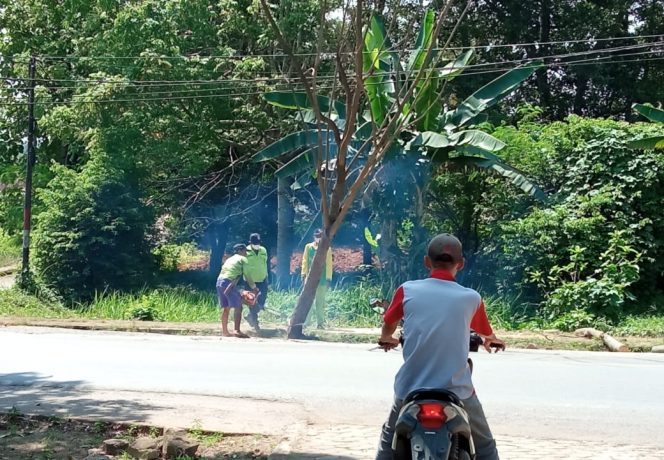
[
  {"x": 257, "y": 269},
  {"x": 325, "y": 278},
  {"x": 228, "y": 292}
]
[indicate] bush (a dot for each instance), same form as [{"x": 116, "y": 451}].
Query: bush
[
  {"x": 598, "y": 244},
  {"x": 10, "y": 250},
  {"x": 93, "y": 232}
]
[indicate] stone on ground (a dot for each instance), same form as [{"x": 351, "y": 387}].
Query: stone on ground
[
  {"x": 176, "y": 443},
  {"x": 145, "y": 449},
  {"x": 115, "y": 446}
]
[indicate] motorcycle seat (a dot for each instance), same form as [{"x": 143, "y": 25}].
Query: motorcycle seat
[{"x": 433, "y": 393}]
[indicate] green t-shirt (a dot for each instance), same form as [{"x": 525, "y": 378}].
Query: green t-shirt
[
  {"x": 257, "y": 264},
  {"x": 234, "y": 267}
]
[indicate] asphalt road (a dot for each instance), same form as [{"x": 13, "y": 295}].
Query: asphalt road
[{"x": 578, "y": 396}]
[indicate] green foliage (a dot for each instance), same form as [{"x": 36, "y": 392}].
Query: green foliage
[
  {"x": 179, "y": 304},
  {"x": 10, "y": 250},
  {"x": 646, "y": 326},
  {"x": 345, "y": 307},
  {"x": 170, "y": 256},
  {"x": 596, "y": 247},
  {"x": 603, "y": 292},
  {"x": 92, "y": 235},
  {"x": 144, "y": 313},
  {"x": 14, "y": 302}
]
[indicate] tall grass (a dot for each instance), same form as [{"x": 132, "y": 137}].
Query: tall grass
[
  {"x": 508, "y": 313},
  {"x": 347, "y": 307},
  {"x": 10, "y": 250},
  {"x": 644, "y": 326},
  {"x": 14, "y": 302},
  {"x": 176, "y": 304}
]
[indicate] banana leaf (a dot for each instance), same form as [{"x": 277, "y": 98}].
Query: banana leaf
[
  {"x": 456, "y": 67},
  {"x": 479, "y": 139},
  {"x": 651, "y": 113},
  {"x": 469, "y": 138},
  {"x": 424, "y": 39},
  {"x": 294, "y": 141},
  {"x": 492, "y": 162},
  {"x": 656, "y": 142},
  {"x": 432, "y": 140},
  {"x": 377, "y": 61},
  {"x": 489, "y": 95},
  {"x": 301, "y": 162}
]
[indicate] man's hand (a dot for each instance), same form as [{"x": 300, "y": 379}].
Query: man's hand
[
  {"x": 493, "y": 344},
  {"x": 388, "y": 342}
]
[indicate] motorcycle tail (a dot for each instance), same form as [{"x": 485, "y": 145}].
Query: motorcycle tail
[{"x": 432, "y": 430}]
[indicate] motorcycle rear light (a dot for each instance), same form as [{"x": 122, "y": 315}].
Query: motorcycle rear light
[{"x": 431, "y": 416}]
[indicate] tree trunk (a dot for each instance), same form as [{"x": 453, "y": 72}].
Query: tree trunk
[
  {"x": 610, "y": 343},
  {"x": 217, "y": 238},
  {"x": 579, "y": 98},
  {"x": 544, "y": 36},
  {"x": 308, "y": 294},
  {"x": 285, "y": 216}
]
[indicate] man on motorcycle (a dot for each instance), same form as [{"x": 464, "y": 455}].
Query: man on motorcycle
[{"x": 438, "y": 314}]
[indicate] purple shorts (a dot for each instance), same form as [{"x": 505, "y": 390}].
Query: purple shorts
[{"x": 230, "y": 300}]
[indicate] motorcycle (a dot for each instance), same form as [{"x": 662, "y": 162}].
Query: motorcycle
[{"x": 432, "y": 423}]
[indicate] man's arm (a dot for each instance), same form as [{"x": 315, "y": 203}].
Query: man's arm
[
  {"x": 480, "y": 324},
  {"x": 391, "y": 318}
]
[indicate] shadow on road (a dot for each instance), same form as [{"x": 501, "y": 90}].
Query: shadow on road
[
  {"x": 35, "y": 394},
  {"x": 310, "y": 456}
]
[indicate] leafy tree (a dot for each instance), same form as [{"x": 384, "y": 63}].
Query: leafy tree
[
  {"x": 93, "y": 232},
  {"x": 403, "y": 118},
  {"x": 607, "y": 197},
  {"x": 594, "y": 88},
  {"x": 182, "y": 111}
]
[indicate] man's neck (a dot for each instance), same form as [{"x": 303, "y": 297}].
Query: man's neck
[{"x": 443, "y": 273}]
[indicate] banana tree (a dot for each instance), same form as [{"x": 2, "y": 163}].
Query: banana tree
[
  {"x": 655, "y": 115},
  {"x": 441, "y": 136},
  {"x": 349, "y": 133}
]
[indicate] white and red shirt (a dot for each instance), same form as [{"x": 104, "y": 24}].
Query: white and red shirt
[{"x": 438, "y": 314}]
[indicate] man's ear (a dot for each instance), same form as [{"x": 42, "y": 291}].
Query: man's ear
[
  {"x": 427, "y": 263},
  {"x": 461, "y": 264}
]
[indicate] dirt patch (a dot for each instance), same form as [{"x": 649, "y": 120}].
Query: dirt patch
[
  {"x": 345, "y": 259},
  {"x": 31, "y": 438}
]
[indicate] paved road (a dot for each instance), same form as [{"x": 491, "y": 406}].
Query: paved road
[{"x": 596, "y": 398}]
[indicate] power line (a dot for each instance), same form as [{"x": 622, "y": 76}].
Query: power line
[
  {"x": 257, "y": 93},
  {"x": 195, "y": 56},
  {"x": 266, "y": 80},
  {"x": 240, "y": 94},
  {"x": 474, "y": 70}
]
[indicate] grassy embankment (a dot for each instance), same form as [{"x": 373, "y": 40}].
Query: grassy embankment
[{"x": 347, "y": 307}]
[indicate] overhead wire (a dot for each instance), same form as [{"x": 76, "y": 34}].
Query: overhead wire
[
  {"x": 593, "y": 61},
  {"x": 267, "y": 80},
  {"x": 197, "y": 56}
]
